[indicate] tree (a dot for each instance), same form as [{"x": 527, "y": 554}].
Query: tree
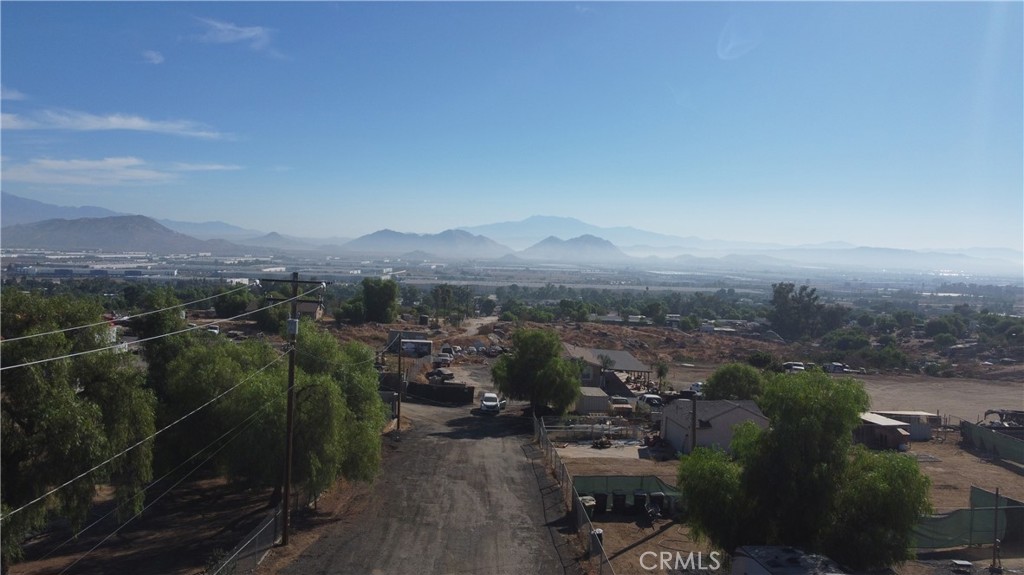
[
  {"x": 734, "y": 381},
  {"x": 61, "y": 418},
  {"x": 232, "y": 304},
  {"x": 487, "y": 306},
  {"x": 798, "y": 313},
  {"x": 380, "y": 300},
  {"x": 660, "y": 368},
  {"x": 801, "y": 483},
  {"x": 537, "y": 371},
  {"x": 856, "y": 532}
]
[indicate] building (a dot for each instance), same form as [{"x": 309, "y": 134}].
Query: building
[
  {"x": 591, "y": 400},
  {"x": 595, "y": 367},
  {"x": 880, "y": 432},
  {"x": 921, "y": 422},
  {"x": 715, "y": 422}
]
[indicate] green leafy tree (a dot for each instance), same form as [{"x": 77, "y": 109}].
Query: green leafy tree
[
  {"x": 232, "y": 304},
  {"x": 864, "y": 532},
  {"x": 848, "y": 339},
  {"x": 537, "y": 371},
  {"x": 734, "y": 381},
  {"x": 62, "y": 417},
  {"x": 801, "y": 483},
  {"x": 799, "y": 313},
  {"x": 487, "y": 306},
  {"x": 660, "y": 368},
  {"x": 380, "y": 300}
]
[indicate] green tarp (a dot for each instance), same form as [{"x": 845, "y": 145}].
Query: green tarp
[{"x": 974, "y": 526}]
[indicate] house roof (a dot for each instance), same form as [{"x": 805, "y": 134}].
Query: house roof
[
  {"x": 712, "y": 409},
  {"x": 624, "y": 361},
  {"x": 592, "y": 391},
  {"x": 881, "y": 420}
]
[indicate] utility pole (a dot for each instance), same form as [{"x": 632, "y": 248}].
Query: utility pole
[
  {"x": 398, "y": 424},
  {"x": 293, "y": 332}
]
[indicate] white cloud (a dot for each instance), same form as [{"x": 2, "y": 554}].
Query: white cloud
[
  {"x": 186, "y": 167},
  {"x": 104, "y": 172},
  {"x": 11, "y": 94},
  {"x": 86, "y": 122},
  {"x": 124, "y": 170},
  {"x": 16, "y": 122},
  {"x": 217, "y": 32},
  {"x": 153, "y": 57}
]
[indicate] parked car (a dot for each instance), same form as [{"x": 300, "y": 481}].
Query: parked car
[
  {"x": 442, "y": 360},
  {"x": 490, "y": 403},
  {"x": 618, "y": 405},
  {"x": 698, "y": 389},
  {"x": 213, "y": 329}
]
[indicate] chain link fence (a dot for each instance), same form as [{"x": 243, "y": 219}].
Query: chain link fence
[{"x": 584, "y": 528}]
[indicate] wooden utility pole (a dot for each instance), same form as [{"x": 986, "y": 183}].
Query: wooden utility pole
[{"x": 293, "y": 332}]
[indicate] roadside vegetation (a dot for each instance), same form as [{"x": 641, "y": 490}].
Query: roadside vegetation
[{"x": 192, "y": 403}]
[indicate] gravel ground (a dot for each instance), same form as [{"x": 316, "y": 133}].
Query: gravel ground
[{"x": 460, "y": 492}]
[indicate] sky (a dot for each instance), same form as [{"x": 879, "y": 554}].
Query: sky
[{"x": 874, "y": 123}]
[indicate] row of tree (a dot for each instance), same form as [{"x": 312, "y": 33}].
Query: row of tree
[{"x": 68, "y": 409}]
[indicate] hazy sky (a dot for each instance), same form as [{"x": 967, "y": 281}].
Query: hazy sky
[{"x": 880, "y": 124}]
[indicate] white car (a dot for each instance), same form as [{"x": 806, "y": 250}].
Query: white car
[
  {"x": 490, "y": 403},
  {"x": 698, "y": 389}
]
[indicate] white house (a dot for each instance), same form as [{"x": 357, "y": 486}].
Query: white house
[{"x": 715, "y": 422}]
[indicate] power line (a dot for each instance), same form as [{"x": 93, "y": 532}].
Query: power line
[
  {"x": 169, "y": 489},
  {"x": 165, "y": 476},
  {"x": 139, "y": 341},
  {"x": 126, "y": 318},
  {"x": 140, "y": 442}
]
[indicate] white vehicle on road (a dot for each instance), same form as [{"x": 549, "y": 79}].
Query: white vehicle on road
[{"x": 490, "y": 403}]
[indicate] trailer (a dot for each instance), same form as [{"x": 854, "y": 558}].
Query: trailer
[{"x": 417, "y": 347}]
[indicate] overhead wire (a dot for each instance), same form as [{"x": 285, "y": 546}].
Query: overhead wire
[
  {"x": 140, "y": 442},
  {"x": 144, "y": 340},
  {"x": 125, "y": 318},
  {"x": 157, "y": 481},
  {"x": 169, "y": 489}
]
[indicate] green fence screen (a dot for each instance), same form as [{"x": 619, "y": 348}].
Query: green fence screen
[{"x": 982, "y": 524}]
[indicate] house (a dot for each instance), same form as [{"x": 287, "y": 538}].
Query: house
[
  {"x": 778, "y": 560},
  {"x": 880, "y": 432},
  {"x": 715, "y": 422},
  {"x": 310, "y": 308},
  {"x": 594, "y": 369}
]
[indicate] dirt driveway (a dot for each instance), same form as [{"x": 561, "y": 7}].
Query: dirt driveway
[{"x": 459, "y": 492}]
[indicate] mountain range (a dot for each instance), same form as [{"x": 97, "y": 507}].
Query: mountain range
[{"x": 28, "y": 223}]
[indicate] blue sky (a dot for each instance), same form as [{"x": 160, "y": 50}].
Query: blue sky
[{"x": 879, "y": 124}]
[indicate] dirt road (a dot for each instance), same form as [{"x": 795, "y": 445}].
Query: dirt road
[{"x": 460, "y": 492}]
